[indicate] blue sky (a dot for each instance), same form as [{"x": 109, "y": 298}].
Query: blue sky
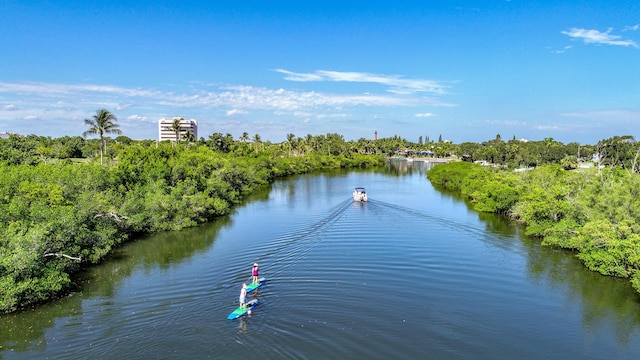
[{"x": 465, "y": 70}]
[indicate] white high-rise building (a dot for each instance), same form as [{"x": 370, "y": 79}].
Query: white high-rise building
[{"x": 166, "y": 132}]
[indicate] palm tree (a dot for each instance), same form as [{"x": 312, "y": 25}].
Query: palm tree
[
  {"x": 103, "y": 122},
  {"x": 310, "y": 142},
  {"x": 188, "y": 136},
  {"x": 256, "y": 141},
  {"x": 175, "y": 127},
  {"x": 290, "y": 139}
]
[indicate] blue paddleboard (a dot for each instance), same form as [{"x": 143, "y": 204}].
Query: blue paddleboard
[
  {"x": 252, "y": 286},
  {"x": 241, "y": 311}
]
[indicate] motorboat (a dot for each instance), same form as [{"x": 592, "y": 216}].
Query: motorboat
[{"x": 359, "y": 194}]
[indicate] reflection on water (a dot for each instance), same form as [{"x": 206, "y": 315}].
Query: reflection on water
[{"x": 401, "y": 166}]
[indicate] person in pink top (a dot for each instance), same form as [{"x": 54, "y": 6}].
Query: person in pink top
[{"x": 254, "y": 272}]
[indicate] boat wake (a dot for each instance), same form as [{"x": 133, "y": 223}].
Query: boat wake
[{"x": 289, "y": 249}]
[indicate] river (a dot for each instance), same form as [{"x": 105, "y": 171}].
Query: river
[{"x": 413, "y": 273}]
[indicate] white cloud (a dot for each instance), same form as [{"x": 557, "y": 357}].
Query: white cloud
[
  {"x": 53, "y": 89},
  {"x": 635, "y": 27},
  {"x": 239, "y": 99},
  {"x": 9, "y": 107},
  {"x": 425, "y": 115},
  {"x": 136, "y": 117},
  {"x": 120, "y": 107},
  {"x": 563, "y": 50},
  {"x": 236, "y": 98},
  {"x": 546, "y": 127},
  {"x": 397, "y": 84},
  {"x": 304, "y": 114},
  {"x": 232, "y": 112},
  {"x": 248, "y": 97},
  {"x": 330, "y": 116},
  {"x": 597, "y": 37},
  {"x": 504, "y": 122},
  {"x": 300, "y": 77}
]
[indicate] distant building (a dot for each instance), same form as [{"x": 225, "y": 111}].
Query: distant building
[
  {"x": 165, "y": 129},
  {"x": 4, "y": 135}
]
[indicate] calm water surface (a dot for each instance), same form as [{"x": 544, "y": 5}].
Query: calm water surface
[{"x": 413, "y": 273}]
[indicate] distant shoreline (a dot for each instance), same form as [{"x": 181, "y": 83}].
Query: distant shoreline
[{"x": 424, "y": 159}]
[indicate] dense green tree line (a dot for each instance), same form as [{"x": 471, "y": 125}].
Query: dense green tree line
[
  {"x": 593, "y": 212},
  {"x": 59, "y": 216},
  {"x": 621, "y": 151}
]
